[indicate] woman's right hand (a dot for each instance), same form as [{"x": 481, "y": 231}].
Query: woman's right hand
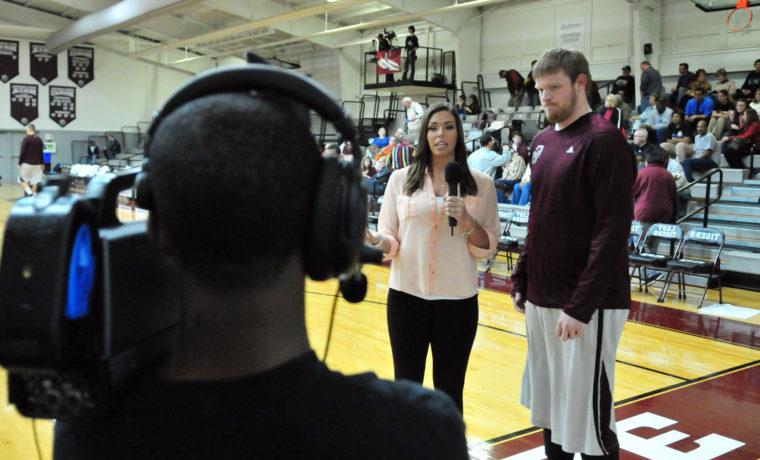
[{"x": 370, "y": 237}]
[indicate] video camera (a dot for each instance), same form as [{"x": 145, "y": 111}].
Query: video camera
[
  {"x": 389, "y": 35},
  {"x": 87, "y": 305}
]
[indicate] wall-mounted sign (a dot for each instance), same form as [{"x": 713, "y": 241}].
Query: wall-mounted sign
[
  {"x": 63, "y": 104},
  {"x": 8, "y": 60},
  {"x": 43, "y": 65},
  {"x": 24, "y": 103},
  {"x": 81, "y": 65}
]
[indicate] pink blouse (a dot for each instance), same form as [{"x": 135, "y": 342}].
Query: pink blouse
[{"x": 426, "y": 261}]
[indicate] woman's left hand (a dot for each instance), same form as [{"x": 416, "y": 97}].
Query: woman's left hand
[{"x": 454, "y": 207}]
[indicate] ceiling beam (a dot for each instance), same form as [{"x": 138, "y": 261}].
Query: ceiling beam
[
  {"x": 86, "y": 5},
  {"x": 284, "y": 16},
  {"x": 115, "y": 17},
  {"x": 401, "y": 18}
]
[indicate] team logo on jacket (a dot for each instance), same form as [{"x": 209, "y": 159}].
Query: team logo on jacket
[{"x": 537, "y": 153}]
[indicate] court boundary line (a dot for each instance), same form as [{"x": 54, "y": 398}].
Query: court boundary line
[{"x": 631, "y": 400}]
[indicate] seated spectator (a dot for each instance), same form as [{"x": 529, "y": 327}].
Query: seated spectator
[
  {"x": 661, "y": 120},
  {"x": 682, "y": 86},
  {"x": 519, "y": 147},
  {"x": 485, "y": 120},
  {"x": 643, "y": 117},
  {"x": 739, "y": 146},
  {"x": 698, "y": 108},
  {"x": 625, "y": 84},
  {"x": 399, "y": 132},
  {"x": 461, "y": 103},
  {"x": 642, "y": 144},
  {"x": 347, "y": 152},
  {"x": 331, "y": 151},
  {"x": 724, "y": 84},
  {"x": 381, "y": 140},
  {"x": 611, "y": 111},
  {"x": 703, "y": 140},
  {"x": 683, "y": 196},
  {"x": 113, "y": 147},
  {"x": 654, "y": 192},
  {"x": 678, "y": 132},
  {"x": 755, "y": 104},
  {"x": 736, "y": 118},
  {"x": 752, "y": 82},
  {"x": 375, "y": 185},
  {"x": 401, "y": 156},
  {"x": 521, "y": 192},
  {"x": 92, "y": 152},
  {"x": 721, "y": 113},
  {"x": 485, "y": 159},
  {"x": 370, "y": 151},
  {"x": 704, "y": 152},
  {"x": 699, "y": 82},
  {"x": 514, "y": 171},
  {"x": 473, "y": 105},
  {"x": 367, "y": 169},
  {"x": 385, "y": 151}
]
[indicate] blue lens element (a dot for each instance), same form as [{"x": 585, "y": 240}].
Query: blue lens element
[{"x": 81, "y": 275}]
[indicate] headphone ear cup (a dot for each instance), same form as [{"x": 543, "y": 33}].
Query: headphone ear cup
[
  {"x": 143, "y": 192},
  {"x": 322, "y": 233}
]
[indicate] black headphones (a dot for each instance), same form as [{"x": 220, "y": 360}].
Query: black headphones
[{"x": 338, "y": 218}]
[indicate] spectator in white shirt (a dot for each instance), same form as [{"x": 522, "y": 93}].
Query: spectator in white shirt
[
  {"x": 703, "y": 151},
  {"x": 414, "y": 113},
  {"x": 485, "y": 159}
]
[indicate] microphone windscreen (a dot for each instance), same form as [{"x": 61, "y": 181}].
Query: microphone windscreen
[{"x": 453, "y": 173}]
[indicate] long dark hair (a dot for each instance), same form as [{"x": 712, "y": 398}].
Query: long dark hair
[
  {"x": 751, "y": 115},
  {"x": 422, "y": 160}
]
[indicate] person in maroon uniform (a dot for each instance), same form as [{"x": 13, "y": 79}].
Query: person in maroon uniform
[
  {"x": 30, "y": 161},
  {"x": 572, "y": 278}
]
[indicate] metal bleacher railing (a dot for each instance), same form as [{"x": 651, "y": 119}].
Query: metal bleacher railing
[{"x": 707, "y": 179}]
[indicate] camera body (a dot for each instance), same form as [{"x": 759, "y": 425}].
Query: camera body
[
  {"x": 389, "y": 35},
  {"x": 87, "y": 305}
]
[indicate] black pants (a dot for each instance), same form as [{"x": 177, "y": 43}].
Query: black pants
[
  {"x": 735, "y": 155},
  {"x": 447, "y": 326},
  {"x": 555, "y": 452},
  {"x": 409, "y": 66}
]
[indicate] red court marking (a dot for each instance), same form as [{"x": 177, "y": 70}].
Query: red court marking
[
  {"x": 727, "y": 330},
  {"x": 719, "y": 416}
]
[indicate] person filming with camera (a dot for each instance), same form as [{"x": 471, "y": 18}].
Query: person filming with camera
[{"x": 243, "y": 380}]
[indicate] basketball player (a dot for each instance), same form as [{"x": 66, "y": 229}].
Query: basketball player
[{"x": 572, "y": 278}]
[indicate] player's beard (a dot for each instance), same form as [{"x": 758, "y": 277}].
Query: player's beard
[{"x": 560, "y": 113}]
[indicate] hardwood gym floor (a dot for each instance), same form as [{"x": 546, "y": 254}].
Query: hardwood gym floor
[{"x": 687, "y": 385}]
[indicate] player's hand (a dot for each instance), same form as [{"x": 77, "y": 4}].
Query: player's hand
[
  {"x": 518, "y": 301},
  {"x": 568, "y": 327}
]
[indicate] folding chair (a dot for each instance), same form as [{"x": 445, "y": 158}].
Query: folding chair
[
  {"x": 508, "y": 243},
  {"x": 634, "y": 240},
  {"x": 708, "y": 268},
  {"x": 642, "y": 259}
]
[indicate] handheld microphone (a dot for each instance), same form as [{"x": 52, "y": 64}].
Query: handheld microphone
[{"x": 453, "y": 175}]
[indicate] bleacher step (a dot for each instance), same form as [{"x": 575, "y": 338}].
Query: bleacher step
[
  {"x": 730, "y": 175},
  {"x": 724, "y": 163}
]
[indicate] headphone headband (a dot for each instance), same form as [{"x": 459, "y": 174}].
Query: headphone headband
[{"x": 262, "y": 77}]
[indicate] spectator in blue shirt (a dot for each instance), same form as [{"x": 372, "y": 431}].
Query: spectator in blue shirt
[
  {"x": 381, "y": 140},
  {"x": 698, "y": 108}
]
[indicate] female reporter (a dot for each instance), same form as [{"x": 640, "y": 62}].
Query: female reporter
[{"x": 432, "y": 300}]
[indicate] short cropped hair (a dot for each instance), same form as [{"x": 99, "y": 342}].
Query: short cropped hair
[
  {"x": 226, "y": 200},
  {"x": 685, "y": 64},
  {"x": 485, "y": 139},
  {"x": 655, "y": 155},
  {"x": 571, "y": 62}
]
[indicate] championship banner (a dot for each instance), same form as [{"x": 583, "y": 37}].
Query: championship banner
[
  {"x": 8, "y": 60},
  {"x": 81, "y": 65},
  {"x": 388, "y": 61},
  {"x": 63, "y": 104},
  {"x": 24, "y": 103},
  {"x": 43, "y": 66}
]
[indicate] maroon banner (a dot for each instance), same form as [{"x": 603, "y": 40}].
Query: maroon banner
[
  {"x": 388, "y": 61},
  {"x": 81, "y": 65},
  {"x": 43, "y": 65},
  {"x": 8, "y": 60},
  {"x": 63, "y": 104},
  {"x": 24, "y": 103}
]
